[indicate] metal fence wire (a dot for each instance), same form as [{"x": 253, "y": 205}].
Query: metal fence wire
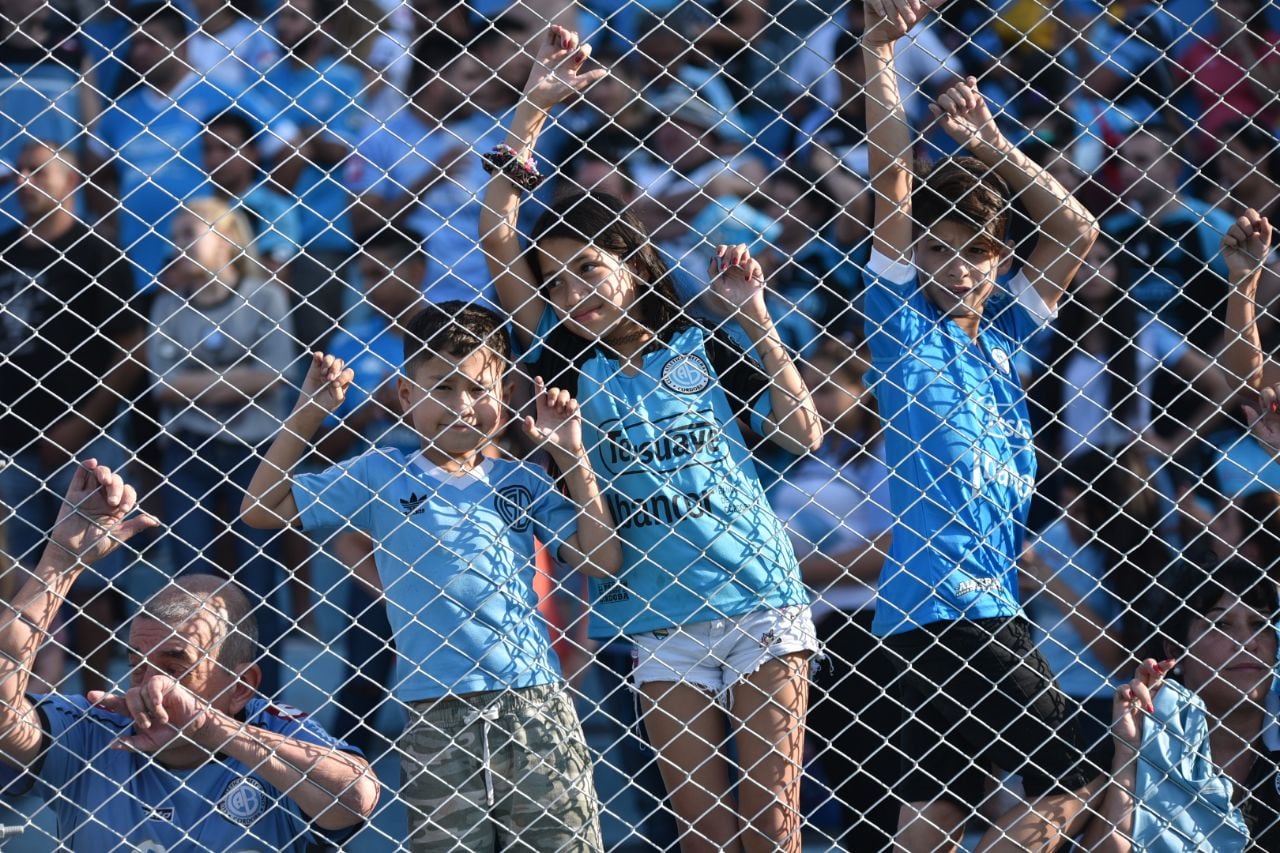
[{"x": 733, "y": 426}]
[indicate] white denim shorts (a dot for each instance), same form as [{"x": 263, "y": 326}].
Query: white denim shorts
[{"x": 716, "y": 655}]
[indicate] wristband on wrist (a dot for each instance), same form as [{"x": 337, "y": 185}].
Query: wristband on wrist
[{"x": 505, "y": 159}]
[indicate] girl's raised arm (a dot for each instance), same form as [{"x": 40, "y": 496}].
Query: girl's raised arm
[
  {"x": 737, "y": 283},
  {"x": 556, "y": 76}
]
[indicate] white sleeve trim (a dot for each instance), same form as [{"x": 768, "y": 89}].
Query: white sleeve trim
[
  {"x": 896, "y": 272},
  {"x": 1029, "y": 298}
]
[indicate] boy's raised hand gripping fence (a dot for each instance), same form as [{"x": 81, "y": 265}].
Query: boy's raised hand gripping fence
[{"x": 744, "y": 425}]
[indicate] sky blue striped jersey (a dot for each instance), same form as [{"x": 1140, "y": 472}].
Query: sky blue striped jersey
[{"x": 958, "y": 441}]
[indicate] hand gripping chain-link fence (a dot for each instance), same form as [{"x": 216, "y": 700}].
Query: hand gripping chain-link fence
[{"x": 746, "y": 484}]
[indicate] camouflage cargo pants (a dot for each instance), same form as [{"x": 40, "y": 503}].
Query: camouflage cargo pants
[{"x": 503, "y": 770}]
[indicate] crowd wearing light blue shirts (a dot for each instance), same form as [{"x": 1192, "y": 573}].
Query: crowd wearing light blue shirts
[{"x": 973, "y": 472}]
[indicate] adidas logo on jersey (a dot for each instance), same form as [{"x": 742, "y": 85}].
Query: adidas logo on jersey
[{"x": 412, "y": 505}]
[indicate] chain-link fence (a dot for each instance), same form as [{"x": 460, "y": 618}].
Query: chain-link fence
[{"x": 740, "y": 425}]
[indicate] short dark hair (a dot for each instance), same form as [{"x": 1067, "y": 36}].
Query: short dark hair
[
  {"x": 1255, "y": 138},
  {"x": 1199, "y": 585},
  {"x": 570, "y": 184},
  {"x": 966, "y": 191},
  {"x": 165, "y": 15},
  {"x": 396, "y": 240},
  {"x": 848, "y": 48},
  {"x": 1162, "y": 129},
  {"x": 237, "y": 120},
  {"x": 495, "y": 35},
  {"x": 61, "y": 151},
  {"x": 1260, "y": 514},
  {"x": 454, "y": 328}
]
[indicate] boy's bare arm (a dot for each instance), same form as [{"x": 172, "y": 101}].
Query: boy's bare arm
[
  {"x": 1067, "y": 229},
  {"x": 268, "y": 503},
  {"x": 888, "y": 134}
]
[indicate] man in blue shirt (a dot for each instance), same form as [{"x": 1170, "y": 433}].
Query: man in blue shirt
[
  {"x": 188, "y": 756},
  {"x": 313, "y": 89},
  {"x": 391, "y": 265},
  {"x": 419, "y": 169},
  {"x": 1169, "y": 238},
  {"x": 106, "y": 30},
  {"x": 234, "y": 163},
  {"x": 40, "y": 65},
  {"x": 149, "y": 141},
  {"x": 977, "y": 698}
]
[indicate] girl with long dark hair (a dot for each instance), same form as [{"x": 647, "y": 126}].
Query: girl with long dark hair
[{"x": 710, "y": 591}]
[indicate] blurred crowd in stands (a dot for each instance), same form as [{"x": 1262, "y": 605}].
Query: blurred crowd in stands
[{"x": 335, "y": 147}]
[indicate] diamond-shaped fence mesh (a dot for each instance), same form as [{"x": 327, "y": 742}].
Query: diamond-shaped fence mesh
[{"x": 656, "y": 425}]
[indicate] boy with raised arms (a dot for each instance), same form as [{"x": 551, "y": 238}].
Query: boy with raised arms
[
  {"x": 977, "y": 698},
  {"x": 493, "y": 749}
]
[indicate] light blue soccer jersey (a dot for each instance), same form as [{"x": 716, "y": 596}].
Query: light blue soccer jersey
[
  {"x": 111, "y": 801},
  {"x": 153, "y": 143},
  {"x": 958, "y": 439},
  {"x": 405, "y": 150},
  {"x": 455, "y": 554},
  {"x": 323, "y": 97},
  {"x": 274, "y": 218},
  {"x": 700, "y": 542}
]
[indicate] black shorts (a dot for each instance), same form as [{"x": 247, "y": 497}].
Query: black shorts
[{"x": 977, "y": 697}]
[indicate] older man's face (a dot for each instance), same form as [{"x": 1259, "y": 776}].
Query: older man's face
[{"x": 187, "y": 653}]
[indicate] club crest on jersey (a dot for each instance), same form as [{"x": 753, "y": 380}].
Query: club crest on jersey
[
  {"x": 244, "y": 800},
  {"x": 285, "y": 712},
  {"x": 512, "y": 503},
  {"x": 1001, "y": 358},
  {"x": 686, "y": 374}
]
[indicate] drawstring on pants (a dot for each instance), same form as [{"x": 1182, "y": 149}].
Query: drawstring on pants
[{"x": 487, "y": 717}]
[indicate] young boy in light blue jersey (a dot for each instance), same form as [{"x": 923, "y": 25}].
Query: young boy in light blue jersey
[
  {"x": 494, "y": 747},
  {"x": 975, "y": 694}
]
